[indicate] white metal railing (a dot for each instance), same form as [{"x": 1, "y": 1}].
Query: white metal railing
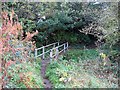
[{"x": 52, "y": 52}]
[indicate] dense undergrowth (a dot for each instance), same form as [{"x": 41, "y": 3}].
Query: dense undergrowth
[
  {"x": 78, "y": 67},
  {"x": 18, "y": 68},
  {"x": 77, "y": 55},
  {"x": 29, "y": 77},
  {"x": 81, "y": 69}
]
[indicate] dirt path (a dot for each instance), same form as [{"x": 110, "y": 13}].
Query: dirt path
[{"x": 46, "y": 81}]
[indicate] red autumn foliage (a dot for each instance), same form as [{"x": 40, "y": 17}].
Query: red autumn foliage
[
  {"x": 29, "y": 35},
  {"x": 9, "y": 63},
  {"x": 10, "y": 46}
]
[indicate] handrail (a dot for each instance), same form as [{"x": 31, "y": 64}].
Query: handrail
[
  {"x": 39, "y": 48},
  {"x": 56, "y": 48},
  {"x": 61, "y": 45},
  {"x": 48, "y": 45},
  {"x": 51, "y": 44}
]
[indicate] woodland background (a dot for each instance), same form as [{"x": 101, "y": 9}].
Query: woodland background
[{"x": 82, "y": 24}]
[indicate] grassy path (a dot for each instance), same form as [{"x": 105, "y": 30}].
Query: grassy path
[{"x": 46, "y": 81}]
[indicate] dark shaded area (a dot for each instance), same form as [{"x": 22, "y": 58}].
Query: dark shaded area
[
  {"x": 93, "y": 39},
  {"x": 62, "y": 21}
]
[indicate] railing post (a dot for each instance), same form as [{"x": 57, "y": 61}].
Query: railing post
[
  {"x": 35, "y": 53},
  {"x": 67, "y": 45},
  {"x": 43, "y": 50},
  {"x": 56, "y": 53},
  {"x": 51, "y": 53},
  {"x": 58, "y": 43},
  {"x": 54, "y": 45},
  {"x": 64, "y": 48}
]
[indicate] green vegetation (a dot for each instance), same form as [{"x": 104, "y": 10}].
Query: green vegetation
[
  {"x": 24, "y": 77},
  {"x": 80, "y": 72},
  {"x": 78, "y": 54},
  {"x": 90, "y": 28}
]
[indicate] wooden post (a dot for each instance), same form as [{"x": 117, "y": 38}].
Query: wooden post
[
  {"x": 35, "y": 53},
  {"x": 43, "y": 52},
  {"x": 64, "y": 48}
]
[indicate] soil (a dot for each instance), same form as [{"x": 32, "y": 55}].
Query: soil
[{"x": 47, "y": 83}]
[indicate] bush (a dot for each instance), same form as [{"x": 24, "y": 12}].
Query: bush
[
  {"x": 71, "y": 74},
  {"x": 77, "y": 54},
  {"x": 14, "y": 50}
]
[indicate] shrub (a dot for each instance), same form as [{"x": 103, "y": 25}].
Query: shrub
[
  {"x": 13, "y": 48},
  {"x": 77, "y": 54}
]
